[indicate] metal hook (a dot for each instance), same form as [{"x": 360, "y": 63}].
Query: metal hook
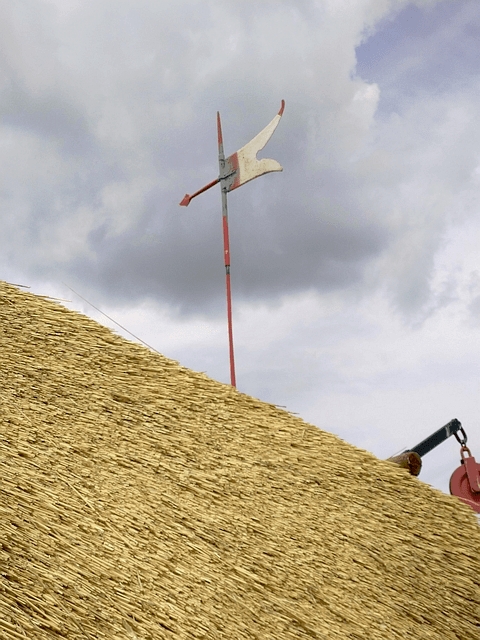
[{"x": 462, "y": 441}]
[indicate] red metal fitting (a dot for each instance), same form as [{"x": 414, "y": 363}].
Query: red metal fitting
[{"x": 465, "y": 481}]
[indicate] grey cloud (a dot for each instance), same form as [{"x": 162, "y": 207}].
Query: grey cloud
[
  {"x": 184, "y": 265},
  {"x": 474, "y": 308},
  {"x": 47, "y": 116},
  {"x": 128, "y": 94},
  {"x": 281, "y": 241}
]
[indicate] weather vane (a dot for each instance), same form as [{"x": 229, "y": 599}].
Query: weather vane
[{"x": 234, "y": 171}]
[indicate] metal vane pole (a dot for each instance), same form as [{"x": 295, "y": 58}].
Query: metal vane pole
[
  {"x": 223, "y": 174},
  {"x": 239, "y": 168}
]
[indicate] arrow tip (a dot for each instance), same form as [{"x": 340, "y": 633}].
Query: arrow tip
[{"x": 186, "y": 200}]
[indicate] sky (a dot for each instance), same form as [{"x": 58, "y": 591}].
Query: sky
[{"x": 355, "y": 277}]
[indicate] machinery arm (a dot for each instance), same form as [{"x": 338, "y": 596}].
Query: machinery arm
[
  {"x": 450, "y": 429},
  {"x": 412, "y": 458},
  {"x": 465, "y": 481}
]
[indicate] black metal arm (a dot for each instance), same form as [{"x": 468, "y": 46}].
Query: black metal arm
[{"x": 450, "y": 429}]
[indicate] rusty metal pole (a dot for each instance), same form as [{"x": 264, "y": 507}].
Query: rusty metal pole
[{"x": 223, "y": 174}]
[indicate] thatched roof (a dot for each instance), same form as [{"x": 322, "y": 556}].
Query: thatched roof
[{"x": 139, "y": 499}]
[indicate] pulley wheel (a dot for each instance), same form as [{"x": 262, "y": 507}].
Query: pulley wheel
[{"x": 460, "y": 487}]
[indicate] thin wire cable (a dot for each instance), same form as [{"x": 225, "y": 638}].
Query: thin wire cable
[{"x": 111, "y": 319}]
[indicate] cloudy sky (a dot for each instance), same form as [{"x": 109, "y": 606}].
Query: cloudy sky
[{"x": 355, "y": 272}]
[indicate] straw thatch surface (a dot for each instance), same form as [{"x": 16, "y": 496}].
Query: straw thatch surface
[{"x": 139, "y": 499}]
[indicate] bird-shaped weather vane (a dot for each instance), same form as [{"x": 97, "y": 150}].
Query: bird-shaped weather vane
[{"x": 234, "y": 171}]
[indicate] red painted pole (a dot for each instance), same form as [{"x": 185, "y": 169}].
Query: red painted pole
[
  {"x": 237, "y": 169},
  {"x": 226, "y": 250},
  {"x": 226, "y": 253}
]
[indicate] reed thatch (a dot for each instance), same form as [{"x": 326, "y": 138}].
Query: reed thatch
[{"x": 139, "y": 500}]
